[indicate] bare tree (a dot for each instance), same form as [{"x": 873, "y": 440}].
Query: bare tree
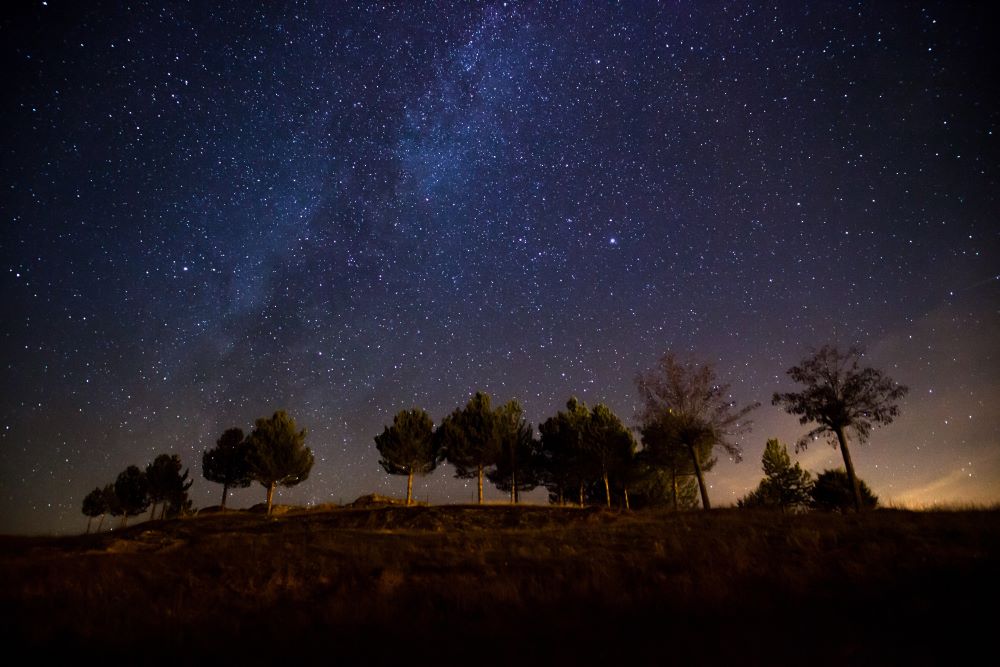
[{"x": 688, "y": 406}]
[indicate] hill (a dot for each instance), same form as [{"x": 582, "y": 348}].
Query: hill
[{"x": 512, "y": 585}]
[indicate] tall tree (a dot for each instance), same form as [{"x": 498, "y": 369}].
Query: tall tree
[
  {"x": 563, "y": 459},
  {"x": 785, "y": 485},
  {"x": 228, "y": 463},
  {"x": 694, "y": 409},
  {"x": 110, "y": 502},
  {"x": 840, "y": 396},
  {"x": 166, "y": 483},
  {"x": 278, "y": 454},
  {"x": 514, "y": 470},
  {"x": 132, "y": 492},
  {"x": 409, "y": 447},
  {"x": 609, "y": 446},
  {"x": 94, "y": 504},
  {"x": 472, "y": 437}
]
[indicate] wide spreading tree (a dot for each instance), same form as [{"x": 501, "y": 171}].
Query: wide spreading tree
[
  {"x": 694, "y": 411},
  {"x": 228, "y": 463},
  {"x": 841, "y": 396},
  {"x": 785, "y": 486},
  {"x": 278, "y": 455},
  {"x": 409, "y": 447}
]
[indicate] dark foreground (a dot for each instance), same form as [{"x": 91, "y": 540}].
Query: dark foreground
[{"x": 512, "y": 586}]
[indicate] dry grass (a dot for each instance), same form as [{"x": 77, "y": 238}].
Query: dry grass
[{"x": 503, "y": 584}]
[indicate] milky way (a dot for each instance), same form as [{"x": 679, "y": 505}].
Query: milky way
[{"x": 210, "y": 214}]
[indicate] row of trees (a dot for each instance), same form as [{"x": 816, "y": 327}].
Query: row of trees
[
  {"x": 687, "y": 416},
  {"x": 161, "y": 484}
]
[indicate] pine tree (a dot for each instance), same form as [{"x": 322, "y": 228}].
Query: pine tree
[
  {"x": 278, "y": 454},
  {"x": 409, "y": 447},
  {"x": 472, "y": 439},
  {"x": 563, "y": 461},
  {"x": 785, "y": 486},
  {"x": 514, "y": 470},
  {"x": 228, "y": 463},
  {"x": 166, "y": 483}
]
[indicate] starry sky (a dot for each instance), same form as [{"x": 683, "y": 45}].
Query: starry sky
[{"x": 348, "y": 209}]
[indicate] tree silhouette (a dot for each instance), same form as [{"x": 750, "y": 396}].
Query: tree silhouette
[
  {"x": 111, "y": 502},
  {"x": 693, "y": 410},
  {"x": 228, "y": 463},
  {"x": 563, "y": 460},
  {"x": 132, "y": 492},
  {"x": 841, "y": 395},
  {"x": 278, "y": 454},
  {"x": 94, "y": 504},
  {"x": 662, "y": 450},
  {"x": 166, "y": 483},
  {"x": 409, "y": 447},
  {"x": 514, "y": 470},
  {"x": 472, "y": 437},
  {"x": 608, "y": 445},
  {"x": 833, "y": 492},
  {"x": 785, "y": 486}
]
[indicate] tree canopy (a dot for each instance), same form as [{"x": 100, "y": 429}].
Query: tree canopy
[
  {"x": 841, "y": 396},
  {"x": 166, "y": 483},
  {"x": 132, "y": 492},
  {"x": 228, "y": 463},
  {"x": 409, "y": 447},
  {"x": 785, "y": 486},
  {"x": 834, "y": 492},
  {"x": 278, "y": 455}
]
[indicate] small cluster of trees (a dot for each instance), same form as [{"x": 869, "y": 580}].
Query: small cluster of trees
[
  {"x": 161, "y": 485},
  {"x": 273, "y": 454},
  {"x": 687, "y": 415},
  {"x": 786, "y": 486}
]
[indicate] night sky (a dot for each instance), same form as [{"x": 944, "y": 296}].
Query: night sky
[{"x": 343, "y": 211}]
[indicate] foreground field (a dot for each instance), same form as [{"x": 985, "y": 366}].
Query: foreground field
[{"x": 505, "y": 585}]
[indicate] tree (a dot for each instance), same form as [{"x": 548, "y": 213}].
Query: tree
[
  {"x": 132, "y": 492},
  {"x": 784, "y": 485},
  {"x": 166, "y": 483},
  {"x": 840, "y": 396},
  {"x": 609, "y": 445},
  {"x": 514, "y": 470},
  {"x": 663, "y": 450},
  {"x": 472, "y": 437},
  {"x": 563, "y": 461},
  {"x": 95, "y": 504},
  {"x": 111, "y": 502},
  {"x": 834, "y": 492},
  {"x": 409, "y": 447},
  {"x": 278, "y": 454},
  {"x": 693, "y": 410},
  {"x": 228, "y": 463}
]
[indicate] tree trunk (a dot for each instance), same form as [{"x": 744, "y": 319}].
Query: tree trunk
[
  {"x": 480, "y": 496},
  {"x": 607, "y": 489},
  {"x": 562, "y": 501},
  {"x": 89, "y": 519},
  {"x": 849, "y": 465},
  {"x": 581, "y": 494},
  {"x": 163, "y": 511},
  {"x": 152, "y": 512},
  {"x": 409, "y": 489},
  {"x": 627, "y": 506},
  {"x": 270, "y": 496},
  {"x": 701, "y": 479},
  {"x": 100, "y": 522},
  {"x": 124, "y": 519},
  {"x": 225, "y": 492},
  {"x": 513, "y": 487},
  {"x": 673, "y": 476}
]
